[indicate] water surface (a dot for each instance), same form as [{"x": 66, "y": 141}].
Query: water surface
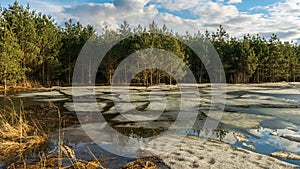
[{"x": 254, "y": 110}]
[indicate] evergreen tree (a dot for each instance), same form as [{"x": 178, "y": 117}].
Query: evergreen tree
[
  {"x": 249, "y": 58},
  {"x": 73, "y": 37},
  {"x": 11, "y": 56},
  {"x": 21, "y": 21},
  {"x": 33, "y": 47},
  {"x": 110, "y": 61},
  {"x": 49, "y": 43}
]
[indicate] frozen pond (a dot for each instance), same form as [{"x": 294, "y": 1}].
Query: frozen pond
[{"x": 268, "y": 115}]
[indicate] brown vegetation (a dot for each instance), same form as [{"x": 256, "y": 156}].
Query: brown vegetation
[
  {"x": 16, "y": 135},
  {"x": 140, "y": 164}
]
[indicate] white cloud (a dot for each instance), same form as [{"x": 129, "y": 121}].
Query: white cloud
[
  {"x": 111, "y": 14},
  {"x": 282, "y": 18},
  {"x": 133, "y": 11},
  {"x": 213, "y": 11},
  {"x": 166, "y": 17},
  {"x": 178, "y": 5},
  {"x": 177, "y": 24},
  {"x": 234, "y": 1},
  {"x": 131, "y": 4},
  {"x": 45, "y": 6},
  {"x": 286, "y": 9}
]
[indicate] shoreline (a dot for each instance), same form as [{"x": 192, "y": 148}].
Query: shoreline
[{"x": 135, "y": 85}]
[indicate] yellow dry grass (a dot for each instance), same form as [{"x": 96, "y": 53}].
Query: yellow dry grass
[{"x": 16, "y": 135}]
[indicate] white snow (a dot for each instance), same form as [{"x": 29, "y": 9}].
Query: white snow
[
  {"x": 292, "y": 137},
  {"x": 34, "y": 94},
  {"x": 85, "y": 107},
  {"x": 51, "y": 99}
]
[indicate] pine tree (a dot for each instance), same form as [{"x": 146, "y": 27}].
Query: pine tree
[
  {"x": 49, "y": 43},
  {"x": 21, "y": 22},
  {"x": 11, "y": 56},
  {"x": 110, "y": 61},
  {"x": 249, "y": 58}
]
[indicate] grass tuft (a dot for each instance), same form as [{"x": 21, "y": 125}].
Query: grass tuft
[{"x": 16, "y": 134}]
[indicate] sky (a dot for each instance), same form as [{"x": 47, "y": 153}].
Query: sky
[{"x": 238, "y": 17}]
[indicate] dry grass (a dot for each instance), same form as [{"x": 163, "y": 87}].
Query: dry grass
[
  {"x": 16, "y": 135},
  {"x": 31, "y": 83},
  {"x": 140, "y": 164},
  {"x": 53, "y": 159}
]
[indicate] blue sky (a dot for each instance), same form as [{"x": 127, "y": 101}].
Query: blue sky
[
  {"x": 239, "y": 17},
  {"x": 248, "y": 4}
]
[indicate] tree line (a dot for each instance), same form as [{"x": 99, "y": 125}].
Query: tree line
[{"x": 33, "y": 48}]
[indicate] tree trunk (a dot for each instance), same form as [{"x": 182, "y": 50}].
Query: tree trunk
[
  {"x": 145, "y": 78},
  {"x": 5, "y": 79},
  {"x": 43, "y": 73},
  {"x": 258, "y": 74},
  {"x": 294, "y": 74},
  {"x": 5, "y": 83},
  {"x": 151, "y": 77},
  {"x": 125, "y": 74},
  {"x": 158, "y": 76},
  {"x": 69, "y": 70},
  {"x": 82, "y": 73},
  {"x": 201, "y": 73},
  {"x": 170, "y": 77},
  {"x": 49, "y": 71},
  {"x": 110, "y": 77},
  {"x": 90, "y": 71}
]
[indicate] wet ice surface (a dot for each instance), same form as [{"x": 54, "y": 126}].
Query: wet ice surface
[
  {"x": 255, "y": 110},
  {"x": 261, "y": 110}
]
